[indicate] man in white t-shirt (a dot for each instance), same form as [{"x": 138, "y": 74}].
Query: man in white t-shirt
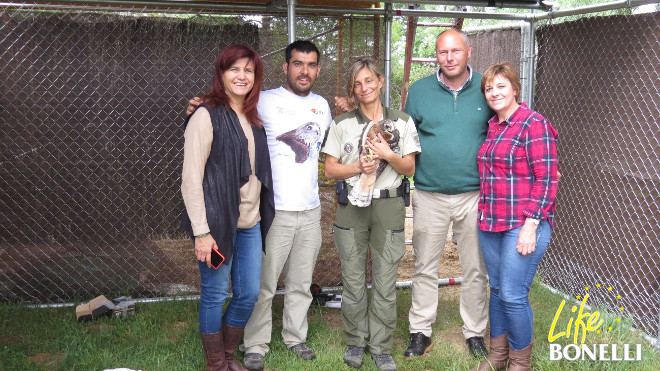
[{"x": 296, "y": 121}]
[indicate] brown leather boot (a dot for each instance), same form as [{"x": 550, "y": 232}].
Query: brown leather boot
[
  {"x": 520, "y": 360},
  {"x": 214, "y": 351},
  {"x": 499, "y": 354},
  {"x": 232, "y": 337}
]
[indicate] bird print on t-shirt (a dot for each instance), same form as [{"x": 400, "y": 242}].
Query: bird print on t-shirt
[{"x": 304, "y": 141}]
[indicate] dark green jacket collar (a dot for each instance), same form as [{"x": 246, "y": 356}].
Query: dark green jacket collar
[{"x": 388, "y": 114}]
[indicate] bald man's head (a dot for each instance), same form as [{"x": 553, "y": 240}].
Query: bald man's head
[
  {"x": 452, "y": 51},
  {"x": 454, "y": 31}
]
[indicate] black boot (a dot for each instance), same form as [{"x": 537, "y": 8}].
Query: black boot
[{"x": 477, "y": 347}]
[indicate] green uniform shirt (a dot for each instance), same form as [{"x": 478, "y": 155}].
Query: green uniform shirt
[{"x": 344, "y": 139}]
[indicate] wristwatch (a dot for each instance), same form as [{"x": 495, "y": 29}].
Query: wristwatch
[{"x": 535, "y": 221}]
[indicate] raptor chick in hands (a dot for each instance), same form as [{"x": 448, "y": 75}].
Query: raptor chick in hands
[{"x": 362, "y": 192}]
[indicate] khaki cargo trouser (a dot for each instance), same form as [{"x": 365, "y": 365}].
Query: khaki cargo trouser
[
  {"x": 379, "y": 226},
  {"x": 292, "y": 246}
]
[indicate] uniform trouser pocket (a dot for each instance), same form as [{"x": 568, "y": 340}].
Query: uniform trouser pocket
[
  {"x": 345, "y": 242},
  {"x": 394, "y": 246}
]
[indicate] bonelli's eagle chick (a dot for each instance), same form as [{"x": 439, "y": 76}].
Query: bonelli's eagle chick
[{"x": 362, "y": 192}]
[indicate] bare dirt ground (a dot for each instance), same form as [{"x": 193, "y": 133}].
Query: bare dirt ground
[
  {"x": 327, "y": 272},
  {"x": 58, "y": 272},
  {"x": 155, "y": 267}
]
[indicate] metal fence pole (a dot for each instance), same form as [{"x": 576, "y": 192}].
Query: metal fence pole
[
  {"x": 388, "y": 52},
  {"x": 524, "y": 59},
  {"x": 291, "y": 19},
  {"x": 117, "y": 172},
  {"x": 531, "y": 49}
]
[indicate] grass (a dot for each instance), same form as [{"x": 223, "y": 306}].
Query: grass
[{"x": 164, "y": 336}]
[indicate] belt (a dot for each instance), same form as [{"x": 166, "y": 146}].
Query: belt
[{"x": 388, "y": 192}]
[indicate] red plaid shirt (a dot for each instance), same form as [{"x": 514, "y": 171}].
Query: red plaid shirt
[{"x": 517, "y": 171}]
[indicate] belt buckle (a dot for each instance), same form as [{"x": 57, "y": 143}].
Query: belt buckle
[{"x": 380, "y": 193}]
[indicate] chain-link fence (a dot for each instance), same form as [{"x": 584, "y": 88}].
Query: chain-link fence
[
  {"x": 598, "y": 82},
  {"x": 91, "y": 110}
]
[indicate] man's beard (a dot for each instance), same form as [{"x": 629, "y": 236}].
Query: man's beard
[{"x": 297, "y": 90}]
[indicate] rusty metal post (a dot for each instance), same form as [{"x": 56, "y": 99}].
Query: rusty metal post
[
  {"x": 410, "y": 44},
  {"x": 340, "y": 56}
]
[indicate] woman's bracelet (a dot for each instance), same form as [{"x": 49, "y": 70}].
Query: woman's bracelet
[{"x": 203, "y": 235}]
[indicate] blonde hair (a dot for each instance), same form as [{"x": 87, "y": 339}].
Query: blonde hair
[
  {"x": 364, "y": 62},
  {"x": 506, "y": 70}
]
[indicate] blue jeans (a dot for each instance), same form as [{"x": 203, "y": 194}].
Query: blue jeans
[
  {"x": 511, "y": 274},
  {"x": 245, "y": 269}
]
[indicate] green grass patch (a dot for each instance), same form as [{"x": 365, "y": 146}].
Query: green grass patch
[{"x": 164, "y": 336}]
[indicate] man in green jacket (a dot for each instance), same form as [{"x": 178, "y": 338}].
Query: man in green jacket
[{"x": 451, "y": 116}]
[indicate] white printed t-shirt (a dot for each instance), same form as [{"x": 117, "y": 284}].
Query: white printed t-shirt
[{"x": 295, "y": 128}]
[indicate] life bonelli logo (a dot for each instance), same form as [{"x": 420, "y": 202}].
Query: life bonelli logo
[{"x": 582, "y": 324}]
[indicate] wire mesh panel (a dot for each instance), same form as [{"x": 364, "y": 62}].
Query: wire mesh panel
[
  {"x": 598, "y": 83},
  {"x": 91, "y": 151},
  {"x": 493, "y": 47},
  {"x": 92, "y": 106}
]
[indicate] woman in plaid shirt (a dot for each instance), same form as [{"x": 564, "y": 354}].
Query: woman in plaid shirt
[{"x": 518, "y": 175}]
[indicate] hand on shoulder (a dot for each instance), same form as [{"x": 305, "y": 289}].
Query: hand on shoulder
[
  {"x": 192, "y": 105},
  {"x": 343, "y": 104}
]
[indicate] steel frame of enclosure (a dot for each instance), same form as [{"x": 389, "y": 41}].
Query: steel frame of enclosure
[{"x": 388, "y": 12}]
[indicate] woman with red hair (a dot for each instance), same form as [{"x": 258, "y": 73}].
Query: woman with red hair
[{"x": 228, "y": 193}]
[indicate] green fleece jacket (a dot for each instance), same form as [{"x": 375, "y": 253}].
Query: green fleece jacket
[{"x": 451, "y": 130}]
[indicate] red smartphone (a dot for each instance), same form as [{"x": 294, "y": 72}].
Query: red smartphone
[{"x": 216, "y": 258}]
